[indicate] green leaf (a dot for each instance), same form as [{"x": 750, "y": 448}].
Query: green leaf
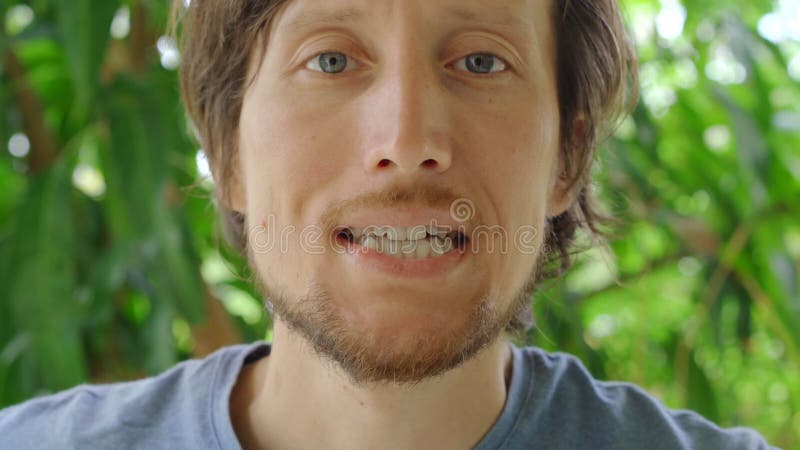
[
  {"x": 137, "y": 200},
  {"x": 84, "y": 28},
  {"x": 702, "y": 396},
  {"x": 42, "y": 287}
]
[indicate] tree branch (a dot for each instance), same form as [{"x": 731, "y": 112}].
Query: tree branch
[{"x": 44, "y": 151}]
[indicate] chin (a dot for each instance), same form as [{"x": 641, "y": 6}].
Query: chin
[
  {"x": 409, "y": 328},
  {"x": 389, "y": 343}
]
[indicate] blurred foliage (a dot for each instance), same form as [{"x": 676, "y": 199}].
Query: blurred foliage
[{"x": 110, "y": 265}]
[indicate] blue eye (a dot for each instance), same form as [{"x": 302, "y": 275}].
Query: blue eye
[
  {"x": 337, "y": 62},
  {"x": 481, "y": 63},
  {"x": 330, "y": 62}
]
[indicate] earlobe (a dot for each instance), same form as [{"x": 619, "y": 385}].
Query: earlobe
[
  {"x": 562, "y": 194},
  {"x": 236, "y": 194},
  {"x": 231, "y": 188},
  {"x": 565, "y": 185}
]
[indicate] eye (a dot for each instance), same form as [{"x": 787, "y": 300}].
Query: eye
[
  {"x": 331, "y": 62},
  {"x": 481, "y": 63}
]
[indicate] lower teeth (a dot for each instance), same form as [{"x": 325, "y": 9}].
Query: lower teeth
[{"x": 422, "y": 248}]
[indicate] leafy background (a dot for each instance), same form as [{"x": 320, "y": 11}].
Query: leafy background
[{"x": 111, "y": 268}]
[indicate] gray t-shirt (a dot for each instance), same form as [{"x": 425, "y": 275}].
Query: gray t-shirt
[{"x": 553, "y": 403}]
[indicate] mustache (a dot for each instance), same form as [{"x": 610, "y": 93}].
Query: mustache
[{"x": 395, "y": 197}]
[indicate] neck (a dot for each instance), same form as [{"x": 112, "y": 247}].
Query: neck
[{"x": 293, "y": 398}]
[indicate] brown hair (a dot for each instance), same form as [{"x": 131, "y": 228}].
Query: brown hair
[{"x": 597, "y": 79}]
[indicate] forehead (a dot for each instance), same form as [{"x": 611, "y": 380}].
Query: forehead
[
  {"x": 301, "y": 13},
  {"x": 530, "y": 17}
]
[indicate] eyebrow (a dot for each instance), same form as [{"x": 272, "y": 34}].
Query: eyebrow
[
  {"x": 336, "y": 17},
  {"x": 500, "y": 17}
]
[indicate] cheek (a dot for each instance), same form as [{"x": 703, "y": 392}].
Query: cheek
[
  {"x": 291, "y": 147},
  {"x": 278, "y": 140},
  {"x": 513, "y": 151}
]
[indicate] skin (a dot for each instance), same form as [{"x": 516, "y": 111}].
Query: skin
[{"x": 406, "y": 114}]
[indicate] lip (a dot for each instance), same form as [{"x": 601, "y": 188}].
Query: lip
[
  {"x": 406, "y": 217},
  {"x": 376, "y": 262}
]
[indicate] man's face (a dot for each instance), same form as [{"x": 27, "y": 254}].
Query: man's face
[{"x": 400, "y": 113}]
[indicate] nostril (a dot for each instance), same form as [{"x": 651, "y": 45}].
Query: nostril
[
  {"x": 384, "y": 163},
  {"x": 429, "y": 163}
]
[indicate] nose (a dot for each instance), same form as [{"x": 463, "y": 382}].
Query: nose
[{"x": 406, "y": 120}]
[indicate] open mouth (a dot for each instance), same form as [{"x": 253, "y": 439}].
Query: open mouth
[{"x": 416, "y": 242}]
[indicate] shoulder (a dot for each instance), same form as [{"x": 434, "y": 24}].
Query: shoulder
[
  {"x": 566, "y": 402},
  {"x": 174, "y": 407}
]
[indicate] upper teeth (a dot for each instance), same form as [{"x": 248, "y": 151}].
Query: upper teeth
[{"x": 412, "y": 233}]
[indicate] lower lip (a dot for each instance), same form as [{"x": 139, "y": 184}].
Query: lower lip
[{"x": 374, "y": 261}]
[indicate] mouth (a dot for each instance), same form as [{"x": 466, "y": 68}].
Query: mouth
[{"x": 415, "y": 242}]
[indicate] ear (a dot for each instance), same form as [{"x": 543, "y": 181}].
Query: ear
[
  {"x": 562, "y": 192},
  {"x": 231, "y": 186},
  {"x": 563, "y": 189}
]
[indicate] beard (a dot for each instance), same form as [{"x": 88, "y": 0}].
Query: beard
[
  {"x": 369, "y": 355},
  {"x": 406, "y": 360}
]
